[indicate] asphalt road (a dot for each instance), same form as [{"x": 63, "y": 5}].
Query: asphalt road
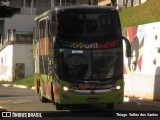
[{"x": 27, "y": 100}]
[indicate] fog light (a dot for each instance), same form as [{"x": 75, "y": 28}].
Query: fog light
[
  {"x": 65, "y": 88},
  {"x": 118, "y": 87}
]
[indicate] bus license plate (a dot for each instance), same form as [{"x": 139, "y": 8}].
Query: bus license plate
[{"x": 93, "y": 100}]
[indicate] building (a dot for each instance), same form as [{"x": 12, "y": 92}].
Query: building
[
  {"x": 120, "y": 3},
  {"x": 16, "y": 59},
  {"x": 24, "y": 20}
]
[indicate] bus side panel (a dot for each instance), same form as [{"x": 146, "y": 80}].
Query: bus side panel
[
  {"x": 36, "y": 82},
  {"x": 55, "y": 91},
  {"x": 36, "y": 64},
  {"x": 45, "y": 86}
]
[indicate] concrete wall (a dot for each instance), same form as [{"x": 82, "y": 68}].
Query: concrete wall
[
  {"x": 142, "y": 70},
  {"x": 22, "y": 23},
  {"x": 15, "y": 3},
  {"x": 6, "y": 63},
  {"x": 16, "y": 60},
  {"x": 23, "y": 54},
  {"x": 13, "y": 54},
  {"x": 42, "y": 6}
]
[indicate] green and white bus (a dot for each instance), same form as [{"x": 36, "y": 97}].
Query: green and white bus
[{"x": 78, "y": 56}]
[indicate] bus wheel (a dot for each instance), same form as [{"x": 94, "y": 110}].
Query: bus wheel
[
  {"x": 59, "y": 106},
  {"x": 110, "y": 106}
]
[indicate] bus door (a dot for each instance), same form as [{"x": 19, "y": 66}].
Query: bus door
[{"x": 44, "y": 55}]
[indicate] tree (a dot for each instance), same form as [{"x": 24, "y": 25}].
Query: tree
[
  {"x": 6, "y": 11},
  {"x": 123, "y": 3},
  {"x": 132, "y": 3},
  {"x": 126, "y": 3},
  {"x": 114, "y": 3}
]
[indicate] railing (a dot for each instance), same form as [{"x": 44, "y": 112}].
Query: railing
[{"x": 13, "y": 37}]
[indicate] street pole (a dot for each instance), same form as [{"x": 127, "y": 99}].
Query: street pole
[
  {"x": 32, "y": 7},
  {"x": 52, "y": 3},
  {"x": 91, "y": 2},
  {"x": 60, "y": 3}
]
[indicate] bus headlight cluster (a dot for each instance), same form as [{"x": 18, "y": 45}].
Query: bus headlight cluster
[
  {"x": 118, "y": 87},
  {"x": 65, "y": 88}
]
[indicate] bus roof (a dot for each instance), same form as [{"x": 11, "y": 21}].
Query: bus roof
[
  {"x": 42, "y": 15},
  {"x": 81, "y": 7},
  {"x": 85, "y": 7}
]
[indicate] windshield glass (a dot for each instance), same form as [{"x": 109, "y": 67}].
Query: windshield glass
[
  {"x": 90, "y": 64},
  {"x": 92, "y": 24}
]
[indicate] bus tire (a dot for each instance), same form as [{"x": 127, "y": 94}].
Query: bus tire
[
  {"x": 59, "y": 106},
  {"x": 110, "y": 106}
]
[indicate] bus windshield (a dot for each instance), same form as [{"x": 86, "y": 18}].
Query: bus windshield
[
  {"x": 90, "y": 45},
  {"x": 86, "y": 24},
  {"x": 90, "y": 64}
]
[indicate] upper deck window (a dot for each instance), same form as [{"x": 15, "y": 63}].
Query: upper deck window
[{"x": 87, "y": 24}]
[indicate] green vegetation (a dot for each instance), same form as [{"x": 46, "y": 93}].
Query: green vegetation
[
  {"x": 142, "y": 14},
  {"x": 5, "y": 82},
  {"x": 28, "y": 81}
]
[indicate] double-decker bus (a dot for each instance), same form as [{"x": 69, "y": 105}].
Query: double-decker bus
[{"x": 78, "y": 56}]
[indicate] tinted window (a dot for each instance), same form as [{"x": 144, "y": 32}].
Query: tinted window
[
  {"x": 86, "y": 25},
  {"x": 43, "y": 28},
  {"x": 90, "y": 64}
]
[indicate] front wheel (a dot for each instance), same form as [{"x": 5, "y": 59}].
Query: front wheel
[
  {"x": 59, "y": 106},
  {"x": 110, "y": 106}
]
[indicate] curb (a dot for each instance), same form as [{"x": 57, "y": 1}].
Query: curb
[
  {"x": 2, "y": 109},
  {"x": 18, "y": 86},
  {"x": 145, "y": 102},
  {"x": 6, "y": 85}
]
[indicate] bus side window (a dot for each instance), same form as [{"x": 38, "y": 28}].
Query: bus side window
[
  {"x": 53, "y": 24},
  {"x": 42, "y": 28},
  {"x": 43, "y": 46}
]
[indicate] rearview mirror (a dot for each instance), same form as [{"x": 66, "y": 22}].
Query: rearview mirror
[{"x": 128, "y": 46}]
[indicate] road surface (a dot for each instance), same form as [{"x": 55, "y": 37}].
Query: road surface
[{"x": 27, "y": 100}]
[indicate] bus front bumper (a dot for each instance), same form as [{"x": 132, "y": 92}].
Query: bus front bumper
[{"x": 90, "y": 96}]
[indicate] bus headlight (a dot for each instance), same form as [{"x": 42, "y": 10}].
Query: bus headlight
[
  {"x": 118, "y": 87},
  {"x": 65, "y": 88}
]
